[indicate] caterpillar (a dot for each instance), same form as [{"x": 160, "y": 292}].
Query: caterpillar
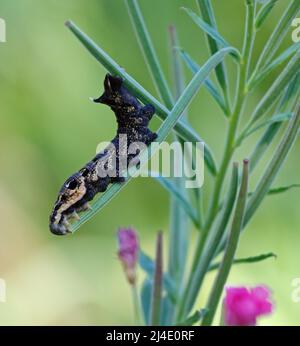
[{"x": 79, "y": 189}]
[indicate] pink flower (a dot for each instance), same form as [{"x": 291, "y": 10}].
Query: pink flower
[
  {"x": 128, "y": 252},
  {"x": 242, "y": 306}
]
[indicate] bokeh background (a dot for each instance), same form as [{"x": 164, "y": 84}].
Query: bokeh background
[{"x": 49, "y": 129}]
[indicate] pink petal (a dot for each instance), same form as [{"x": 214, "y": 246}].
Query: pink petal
[{"x": 242, "y": 306}]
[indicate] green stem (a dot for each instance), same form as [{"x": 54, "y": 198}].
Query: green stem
[
  {"x": 157, "y": 284},
  {"x": 192, "y": 287},
  {"x": 179, "y": 84},
  {"x": 217, "y": 233},
  {"x": 179, "y": 233},
  {"x": 230, "y": 250},
  {"x": 272, "y": 168},
  {"x": 234, "y": 120},
  {"x": 136, "y": 305}
]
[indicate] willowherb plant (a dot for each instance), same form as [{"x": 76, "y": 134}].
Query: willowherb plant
[{"x": 168, "y": 297}]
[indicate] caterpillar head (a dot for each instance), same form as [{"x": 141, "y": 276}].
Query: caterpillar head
[
  {"x": 71, "y": 192},
  {"x": 116, "y": 95}
]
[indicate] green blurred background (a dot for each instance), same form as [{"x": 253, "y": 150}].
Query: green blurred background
[{"x": 49, "y": 129}]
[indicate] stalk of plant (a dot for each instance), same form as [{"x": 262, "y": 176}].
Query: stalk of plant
[
  {"x": 230, "y": 250},
  {"x": 169, "y": 297}
]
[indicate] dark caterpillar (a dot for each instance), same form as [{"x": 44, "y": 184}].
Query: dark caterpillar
[{"x": 133, "y": 119}]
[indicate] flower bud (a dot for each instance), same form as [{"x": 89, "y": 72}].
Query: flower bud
[{"x": 128, "y": 252}]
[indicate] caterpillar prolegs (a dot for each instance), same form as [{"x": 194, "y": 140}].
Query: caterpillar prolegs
[{"x": 132, "y": 119}]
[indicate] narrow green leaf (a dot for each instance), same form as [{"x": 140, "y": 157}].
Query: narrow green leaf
[
  {"x": 263, "y": 13},
  {"x": 147, "y": 264},
  {"x": 179, "y": 233},
  {"x": 185, "y": 131},
  {"x": 162, "y": 133},
  {"x": 177, "y": 68},
  {"x": 212, "y": 32},
  {"x": 256, "y": 79},
  {"x": 263, "y": 144},
  {"x": 218, "y": 232},
  {"x": 270, "y": 133},
  {"x": 275, "y": 164},
  {"x": 179, "y": 85},
  {"x": 198, "y": 192},
  {"x": 157, "y": 283},
  {"x": 280, "y": 83},
  {"x": 149, "y": 52},
  {"x": 282, "y": 189},
  {"x": 230, "y": 249},
  {"x": 291, "y": 91},
  {"x": 185, "y": 204},
  {"x": 212, "y": 89},
  {"x": 192, "y": 89},
  {"x": 197, "y": 316},
  {"x": 253, "y": 259},
  {"x": 278, "y": 190},
  {"x": 248, "y": 44},
  {"x": 278, "y": 35},
  {"x": 165, "y": 311},
  {"x": 207, "y": 12},
  {"x": 99, "y": 203},
  {"x": 278, "y": 118},
  {"x": 186, "y": 98}
]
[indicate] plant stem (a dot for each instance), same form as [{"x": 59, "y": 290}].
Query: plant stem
[
  {"x": 179, "y": 224},
  {"x": 136, "y": 305},
  {"x": 157, "y": 284},
  {"x": 272, "y": 168},
  {"x": 234, "y": 120},
  {"x": 217, "y": 233},
  {"x": 230, "y": 250},
  {"x": 192, "y": 287}
]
